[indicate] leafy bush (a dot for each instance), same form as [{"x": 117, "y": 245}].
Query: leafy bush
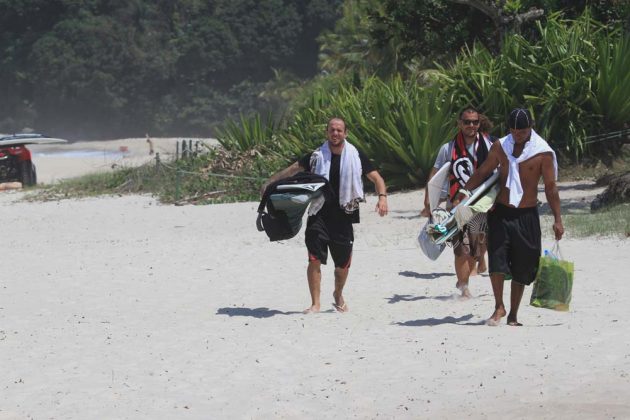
[
  {"x": 400, "y": 125},
  {"x": 247, "y": 134},
  {"x": 574, "y": 79}
]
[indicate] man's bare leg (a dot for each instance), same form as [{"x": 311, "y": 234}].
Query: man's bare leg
[
  {"x": 481, "y": 265},
  {"x": 497, "y": 281},
  {"x": 463, "y": 266},
  {"x": 341, "y": 275},
  {"x": 314, "y": 276},
  {"x": 481, "y": 249},
  {"x": 515, "y": 300}
]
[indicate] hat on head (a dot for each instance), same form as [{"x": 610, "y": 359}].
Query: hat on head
[{"x": 520, "y": 118}]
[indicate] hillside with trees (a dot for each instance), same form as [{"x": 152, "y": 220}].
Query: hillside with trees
[
  {"x": 264, "y": 76},
  {"x": 104, "y": 68}
]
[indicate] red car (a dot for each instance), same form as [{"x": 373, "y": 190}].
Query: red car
[{"x": 15, "y": 159}]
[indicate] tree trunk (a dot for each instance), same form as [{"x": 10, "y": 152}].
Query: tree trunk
[{"x": 502, "y": 20}]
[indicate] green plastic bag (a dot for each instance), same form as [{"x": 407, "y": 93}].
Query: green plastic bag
[{"x": 554, "y": 282}]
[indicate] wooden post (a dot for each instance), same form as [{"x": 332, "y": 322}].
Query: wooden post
[{"x": 178, "y": 178}]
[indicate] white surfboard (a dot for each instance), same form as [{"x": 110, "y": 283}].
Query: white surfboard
[
  {"x": 428, "y": 246},
  {"x": 17, "y": 139},
  {"x": 435, "y": 186},
  {"x": 445, "y": 231}
]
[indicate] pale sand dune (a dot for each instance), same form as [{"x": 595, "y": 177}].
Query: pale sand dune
[{"x": 125, "y": 308}]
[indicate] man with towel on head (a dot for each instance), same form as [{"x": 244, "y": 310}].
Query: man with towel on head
[
  {"x": 331, "y": 227},
  {"x": 514, "y": 237}
]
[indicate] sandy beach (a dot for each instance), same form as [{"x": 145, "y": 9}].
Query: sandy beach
[
  {"x": 121, "y": 307},
  {"x": 61, "y": 161}
]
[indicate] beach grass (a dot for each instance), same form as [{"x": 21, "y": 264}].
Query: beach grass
[
  {"x": 612, "y": 221},
  {"x": 192, "y": 181}
]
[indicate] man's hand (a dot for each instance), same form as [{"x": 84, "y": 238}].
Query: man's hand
[
  {"x": 558, "y": 229},
  {"x": 381, "y": 206},
  {"x": 461, "y": 195}
]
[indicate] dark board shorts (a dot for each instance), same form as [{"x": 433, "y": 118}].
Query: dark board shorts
[
  {"x": 514, "y": 242},
  {"x": 332, "y": 233}
]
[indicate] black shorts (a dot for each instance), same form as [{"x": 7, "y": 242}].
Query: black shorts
[
  {"x": 334, "y": 233},
  {"x": 514, "y": 242}
]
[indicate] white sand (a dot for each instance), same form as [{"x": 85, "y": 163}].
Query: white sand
[{"x": 124, "y": 308}]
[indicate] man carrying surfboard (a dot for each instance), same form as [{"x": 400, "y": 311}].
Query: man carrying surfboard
[
  {"x": 514, "y": 237},
  {"x": 467, "y": 151},
  {"x": 330, "y": 228}
]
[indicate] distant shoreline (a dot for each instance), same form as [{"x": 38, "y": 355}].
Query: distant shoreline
[{"x": 56, "y": 162}]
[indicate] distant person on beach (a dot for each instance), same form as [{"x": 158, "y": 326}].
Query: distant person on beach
[
  {"x": 151, "y": 151},
  {"x": 514, "y": 237},
  {"x": 466, "y": 152},
  {"x": 331, "y": 228}
]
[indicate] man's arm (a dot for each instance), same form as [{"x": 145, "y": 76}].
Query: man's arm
[
  {"x": 285, "y": 173},
  {"x": 381, "y": 190},
  {"x": 551, "y": 192}
]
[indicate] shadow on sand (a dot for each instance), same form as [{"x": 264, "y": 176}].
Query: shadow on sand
[
  {"x": 410, "y": 298},
  {"x": 425, "y": 276},
  {"x": 253, "y": 312},
  {"x": 431, "y": 322}
]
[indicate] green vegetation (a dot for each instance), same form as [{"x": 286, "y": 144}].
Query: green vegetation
[
  {"x": 216, "y": 176},
  {"x": 613, "y": 221},
  {"x": 397, "y": 71},
  {"x": 572, "y": 76},
  {"x": 569, "y": 78}
]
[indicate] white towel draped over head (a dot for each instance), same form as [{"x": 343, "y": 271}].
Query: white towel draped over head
[
  {"x": 535, "y": 146},
  {"x": 350, "y": 183}
]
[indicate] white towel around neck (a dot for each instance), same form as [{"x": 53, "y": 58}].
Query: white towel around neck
[
  {"x": 534, "y": 146},
  {"x": 350, "y": 183}
]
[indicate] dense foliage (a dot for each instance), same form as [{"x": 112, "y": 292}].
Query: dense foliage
[
  {"x": 397, "y": 71},
  {"x": 390, "y": 36},
  {"x": 95, "y": 68},
  {"x": 572, "y": 75}
]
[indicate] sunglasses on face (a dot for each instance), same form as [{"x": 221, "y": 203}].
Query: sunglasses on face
[{"x": 470, "y": 122}]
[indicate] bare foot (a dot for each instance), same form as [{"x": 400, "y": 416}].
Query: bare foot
[
  {"x": 474, "y": 271},
  {"x": 425, "y": 212},
  {"x": 465, "y": 292},
  {"x": 311, "y": 310},
  {"x": 495, "y": 319},
  {"x": 512, "y": 322},
  {"x": 341, "y": 308},
  {"x": 481, "y": 266},
  {"x": 340, "y": 303}
]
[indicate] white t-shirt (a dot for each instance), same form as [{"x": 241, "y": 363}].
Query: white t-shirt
[
  {"x": 443, "y": 156},
  {"x": 445, "y": 152}
]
